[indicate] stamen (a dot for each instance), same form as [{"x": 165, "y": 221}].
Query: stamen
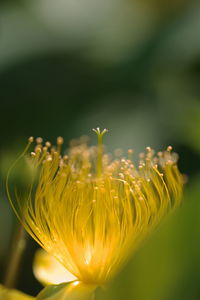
[
  {"x": 130, "y": 154},
  {"x": 100, "y": 135},
  {"x": 169, "y": 148},
  {"x": 60, "y": 141},
  {"x": 82, "y": 213},
  {"x": 31, "y": 139},
  {"x": 39, "y": 140},
  {"x": 48, "y": 144}
]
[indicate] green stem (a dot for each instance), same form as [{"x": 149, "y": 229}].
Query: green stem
[{"x": 17, "y": 249}]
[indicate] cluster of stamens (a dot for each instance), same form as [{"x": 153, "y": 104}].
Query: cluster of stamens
[{"x": 90, "y": 210}]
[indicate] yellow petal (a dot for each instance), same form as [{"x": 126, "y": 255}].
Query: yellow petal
[
  {"x": 48, "y": 270},
  {"x": 72, "y": 291},
  {"x": 6, "y": 294}
]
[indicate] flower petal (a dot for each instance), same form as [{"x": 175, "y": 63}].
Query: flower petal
[
  {"x": 48, "y": 270},
  {"x": 75, "y": 290}
]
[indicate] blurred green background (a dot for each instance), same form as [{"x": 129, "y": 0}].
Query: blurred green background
[{"x": 131, "y": 66}]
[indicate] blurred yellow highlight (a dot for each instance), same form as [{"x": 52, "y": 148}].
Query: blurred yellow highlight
[
  {"x": 48, "y": 270},
  {"x": 6, "y": 294}
]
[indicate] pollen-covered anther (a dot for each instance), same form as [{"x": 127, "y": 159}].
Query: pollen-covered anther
[
  {"x": 38, "y": 149},
  {"x": 48, "y": 144},
  {"x": 65, "y": 158},
  {"x": 169, "y": 148},
  {"x": 53, "y": 150},
  {"x": 31, "y": 139},
  {"x": 44, "y": 149},
  {"x": 60, "y": 140},
  {"x": 39, "y": 140}
]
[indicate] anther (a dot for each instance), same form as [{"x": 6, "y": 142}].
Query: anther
[
  {"x": 38, "y": 149},
  {"x": 60, "y": 140},
  {"x": 31, "y": 139},
  {"x": 169, "y": 148},
  {"x": 53, "y": 149},
  {"x": 48, "y": 144},
  {"x": 39, "y": 140},
  {"x": 65, "y": 158}
]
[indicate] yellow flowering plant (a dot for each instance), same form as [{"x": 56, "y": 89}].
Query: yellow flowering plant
[{"x": 90, "y": 211}]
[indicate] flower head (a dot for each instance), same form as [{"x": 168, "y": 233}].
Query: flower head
[{"x": 91, "y": 212}]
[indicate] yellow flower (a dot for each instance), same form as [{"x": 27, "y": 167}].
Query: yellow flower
[
  {"x": 91, "y": 212},
  {"x": 6, "y": 294}
]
